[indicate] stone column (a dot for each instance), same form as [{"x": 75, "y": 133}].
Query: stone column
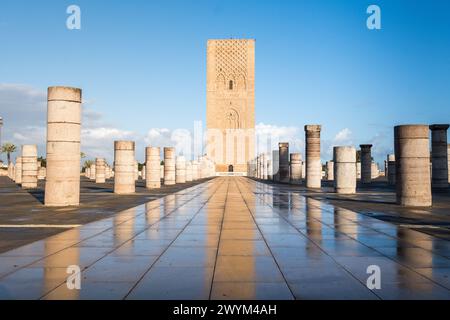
[
  {"x": 124, "y": 167},
  {"x": 391, "y": 169},
  {"x": 283, "y": 158},
  {"x": 313, "y": 165},
  {"x": 366, "y": 163},
  {"x": 189, "y": 171},
  {"x": 296, "y": 168},
  {"x": 264, "y": 166},
  {"x": 358, "y": 170},
  {"x": 180, "y": 170},
  {"x": 439, "y": 156},
  {"x": 195, "y": 170},
  {"x": 87, "y": 172},
  {"x": 136, "y": 170},
  {"x": 143, "y": 172},
  {"x": 386, "y": 168},
  {"x": 42, "y": 173},
  {"x": 11, "y": 171},
  {"x": 269, "y": 168},
  {"x": 258, "y": 167},
  {"x": 344, "y": 159},
  {"x": 153, "y": 168},
  {"x": 375, "y": 172},
  {"x": 18, "y": 171},
  {"x": 62, "y": 187},
  {"x": 29, "y": 166},
  {"x": 276, "y": 165},
  {"x": 412, "y": 165},
  {"x": 303, "y": 169},
  {"x": 92, "y": 172},
  {"x": 448, "y": 161},
  {"x": 100, "y": 174},
  {"x": 330, "y": 170},
  {"x": 169, "y": 166}
]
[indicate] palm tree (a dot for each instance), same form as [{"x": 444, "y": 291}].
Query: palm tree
[
  {"x": 8, "y": 148},
  {"x": 87, "y": 164},
  {"x": 43, "y": 161}
]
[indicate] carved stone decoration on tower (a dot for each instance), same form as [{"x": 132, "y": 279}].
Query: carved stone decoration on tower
[{"x": 230, "y": 106}]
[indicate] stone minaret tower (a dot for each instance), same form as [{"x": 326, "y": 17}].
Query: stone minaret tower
[{"x": 230, "y": 104}]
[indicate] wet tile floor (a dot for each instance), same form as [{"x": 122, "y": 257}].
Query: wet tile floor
[{"x": 231, "y": 238}]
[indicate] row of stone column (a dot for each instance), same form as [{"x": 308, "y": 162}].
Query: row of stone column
[
  {"x": 100, "y": 171},
  {"x": 409, "y": 168},
  {"x": 290, "y": 167},
  {"x": 62, "y": 187},
  {"x": 27, "y": 170},
  {"x": 174, "y": 171}
]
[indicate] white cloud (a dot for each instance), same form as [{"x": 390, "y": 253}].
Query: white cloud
[
  {"x": 269, "y": 135},
  {"x": 345, "y": 135}
]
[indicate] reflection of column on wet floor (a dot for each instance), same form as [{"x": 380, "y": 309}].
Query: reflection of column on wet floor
[
  {"x": 296, "y": 204},
  {"x": 408, "y": 257},
  {"x": 55, "y": 265},
  {"x": 124, "y": 226},
  {"x": 169, "y": 203},
  {"x": 284, "y": 200},
  {"x": 344, "y": 221},
  {"x": 152, "y": 212},
  {"x": 313, "y": 219}
]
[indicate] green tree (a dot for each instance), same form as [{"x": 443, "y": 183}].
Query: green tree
[
  {"x": 43, "y": 161},
  {"x": 8, "y": 148},
  {"x": 87, "y": 164}
]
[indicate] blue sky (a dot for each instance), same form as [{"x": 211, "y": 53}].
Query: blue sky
[{"x": 142, "y": 65}]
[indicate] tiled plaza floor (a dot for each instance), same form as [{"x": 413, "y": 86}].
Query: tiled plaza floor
[{"x": 231, "y": 238}]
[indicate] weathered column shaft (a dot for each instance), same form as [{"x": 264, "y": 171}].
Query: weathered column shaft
[
  {"x": 29, "y": 166},
  {"x": 136, "y": 170},
  {"x": 180, "y": 170},
  {"x": 330, "y": 170},
  {"x": 296, "y": 168},
  {"x": 189, "y": 171},
  {"x": 153, "y": 168},
  {"x": 374, "y": 171},
  {"x": 100, "y": 175},
  {"x": 11, "y": 171},
  {"x": 169, "y": 166},
  {"x": 439, "y": 157},
  {"x": 448, "y": 161},
  {"x": 366, "y": 163},
  {"x": 195, "y": 175},
  {"x": 283, "y": 158},
  {"x": 391, "y": 169},
  {"x": 124, "y": 167},
  {"x": 358, "y": 170},
  {"x": 269, "y": 168},
  {"x": 264, "y": 166},
  {"x": 344, "y": 159},
  {"x": 92, "y": 172},
  {"x": 313, "y": 164},
  {"x": 412, "y": 165},
  {"x": 276, "y": 165},
  {"x": 18, "y": 171},
  {"x": 62, "y": 187}
]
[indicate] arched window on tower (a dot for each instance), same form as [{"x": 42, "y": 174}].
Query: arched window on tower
[{"x": 230, "y": 85}]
